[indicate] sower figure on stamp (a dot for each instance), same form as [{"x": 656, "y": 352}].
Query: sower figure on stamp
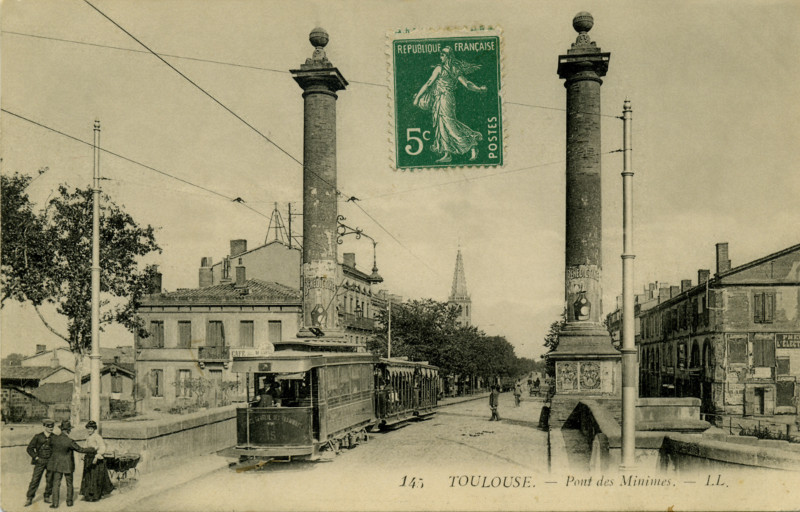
[
  {"x": 494, "y": 401},
  {"x": 62, "y": 462},
  {"x": 40, "y": 449},
  {"x": 438, "y": 95}
]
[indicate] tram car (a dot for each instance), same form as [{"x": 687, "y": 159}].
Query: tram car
[{"x": 300, "y": 403}]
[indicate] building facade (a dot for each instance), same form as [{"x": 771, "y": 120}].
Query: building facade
[
  {"x": 249, "y": 299},
  {"x": 732, "y": 340}
]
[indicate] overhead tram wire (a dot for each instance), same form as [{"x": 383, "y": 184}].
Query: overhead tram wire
[
  {"x": 339, "y": 192},
  {"x": 130, "y": 160},
  {"x": 248, "y": 66},
  {"x": 197, "y": 59}
]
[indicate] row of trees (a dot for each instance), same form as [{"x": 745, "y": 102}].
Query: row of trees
[
  {"x": 427, "y": 330},
  {"x": 47, "y": 260}
]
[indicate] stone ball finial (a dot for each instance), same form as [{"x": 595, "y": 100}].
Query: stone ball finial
[
  {"x": 318, "y": 37},
  {"x": 582, "y": 22}
]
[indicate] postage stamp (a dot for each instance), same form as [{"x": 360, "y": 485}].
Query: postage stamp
[{"x": 446, "y": 101}]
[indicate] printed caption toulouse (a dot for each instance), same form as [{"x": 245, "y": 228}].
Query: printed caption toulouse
[{"x": 491, "y": 482}]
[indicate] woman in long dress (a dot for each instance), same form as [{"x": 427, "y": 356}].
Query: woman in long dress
[
  {"x": 95, "y": 482},
  {"x": 451, "y": 136}
]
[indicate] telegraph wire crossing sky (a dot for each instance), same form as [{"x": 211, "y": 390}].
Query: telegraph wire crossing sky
[{"x": 709, "y": 146}]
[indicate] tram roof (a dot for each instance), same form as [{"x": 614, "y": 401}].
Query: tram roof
[{"x": 293, "y": 361}]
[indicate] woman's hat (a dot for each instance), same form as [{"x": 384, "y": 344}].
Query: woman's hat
[{"x": 91, "y": 424}]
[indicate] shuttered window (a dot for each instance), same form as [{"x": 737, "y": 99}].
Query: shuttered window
[
  {"x": 185, "y": 334},
  {"x": 157, "y": 383},
  {"x": 737, "y": 350},
  {"x": 275, "y": 331},
  {"x": 785, "y": 392},
  {"x": 763, "y": 352},
  {"x": 246, "y": 333},
  {"x": 764, "y": 307},
  {"x": 156, "y": 339},
  {"x": 215, "y": 334}
]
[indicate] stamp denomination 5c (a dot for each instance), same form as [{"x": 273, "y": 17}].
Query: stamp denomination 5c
[{"x": 447, "y": 107}]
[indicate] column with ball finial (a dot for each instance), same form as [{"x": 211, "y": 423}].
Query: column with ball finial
[
  {"x": 320, "y": 81},
  {"x": 586, "y": 362}
]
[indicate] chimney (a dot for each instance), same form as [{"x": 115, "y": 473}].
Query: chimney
[
  {"x": 674, "y": 290},
  {"x": 663, "y": 294},
  {"x": 40, "y": 349},
  {"x": 703, "y": 275},
  {"x": 54, "y": 362},
  {"x": 116, "y": 359},
  {"x": 206, "y": 272},
  {"x": 226, "y": 271},
  {"x": 685, "y": 284},
  {"x": 241, "y": 277},
  {"x": 723, "y": 263},
  {"x": 155, "y": 282},
  {"x": 238, "y": 247},
  {"x": 349, "y": 259}
]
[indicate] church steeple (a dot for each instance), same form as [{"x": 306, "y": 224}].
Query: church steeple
[{"x": 459, "y": 294}]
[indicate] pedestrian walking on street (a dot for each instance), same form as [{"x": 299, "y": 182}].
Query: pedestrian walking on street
[
  {"x": 62, "y": 462},
  {"x": 517, "y": 393},
  {"x": 40, "y": 449},
  {"x": 494, "y": 401},
  {"x": 95, "y": 482}
]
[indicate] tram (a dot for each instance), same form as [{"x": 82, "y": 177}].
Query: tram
[{"x": 302, "y": 403}]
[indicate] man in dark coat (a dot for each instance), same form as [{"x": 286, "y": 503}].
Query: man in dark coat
[
  {"x": 40, "y": 449},
  {"x": 62, "y": 462},
  {"x": 494, "y": 402}
]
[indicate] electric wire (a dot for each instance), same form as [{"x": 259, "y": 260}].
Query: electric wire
[{"x": 197, "y": 59}]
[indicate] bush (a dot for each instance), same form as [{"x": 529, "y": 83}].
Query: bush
[{"x": 765, "y": 433}]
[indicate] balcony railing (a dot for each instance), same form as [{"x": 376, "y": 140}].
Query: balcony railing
[
  {"x": 358, "y": 322},
  {"x": 220, "y": 353}
]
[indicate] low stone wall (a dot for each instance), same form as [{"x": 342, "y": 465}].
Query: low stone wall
[
  {"x": 163, "y": 440},
  {"x": 682, "y": 452},
  {"x": 159, "y": 442}
]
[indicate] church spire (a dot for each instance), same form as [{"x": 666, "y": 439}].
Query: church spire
[{"x": 459, "y": 294}]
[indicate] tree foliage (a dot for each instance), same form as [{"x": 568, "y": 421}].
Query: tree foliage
[
  {"x": 47, "y": 259},
  {"x": 427, "y": 330},
  {"x": 551, "y": 343}
]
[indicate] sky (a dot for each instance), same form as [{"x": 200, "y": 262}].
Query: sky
[{"x": 713, "y": 86}]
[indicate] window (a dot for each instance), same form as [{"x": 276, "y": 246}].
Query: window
[
  {"x": 737, "y": 350},
  {"x": 215, "y": 334},
  {"x": 156, "y": 339},
  {"x": 785, "y": 392},
  {"x": 246, "y": 333},
  {"x": 784, "y": 366},
  {"x": 763, "y": 307},
  {"x": 182, "y": 387},
  {"x": 116, "y": 383},
  {"x": 763, "y": 352},
  {"x": 157, "y": 383},
  {"x": 185, "y": 334},
  {"x": 274, "y": 333}
]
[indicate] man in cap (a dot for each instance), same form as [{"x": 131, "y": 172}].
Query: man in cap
[
  {"x": 40, "y": 449},
  {"x": 62, "y": 462}
]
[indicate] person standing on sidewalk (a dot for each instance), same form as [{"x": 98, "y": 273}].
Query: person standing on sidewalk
[
  {"x": 494, "y": 401},
  {"x": 517, "y": 393},
  {"x": 40, "y": 449},
  {"x": 62, "y": 462}
]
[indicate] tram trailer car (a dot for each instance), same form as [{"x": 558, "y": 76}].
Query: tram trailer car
[{"x": 302, "y": 403}]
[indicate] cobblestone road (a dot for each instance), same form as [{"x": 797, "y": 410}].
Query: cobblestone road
[{"x": 457, "y": 460}]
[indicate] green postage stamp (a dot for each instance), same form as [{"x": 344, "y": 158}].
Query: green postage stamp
[{"x": 447, "y": 105}]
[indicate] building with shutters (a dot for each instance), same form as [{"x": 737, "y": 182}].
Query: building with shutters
[
  {"x": 732, "y": 340},
  {"x": 185, "y": 360}
]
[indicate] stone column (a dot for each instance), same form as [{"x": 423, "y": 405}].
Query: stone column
[
  {"x": 320, "y": 81},
  {"x": 586, "y": 362}
]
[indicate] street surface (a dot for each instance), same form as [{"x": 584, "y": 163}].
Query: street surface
[{"x": 441, "y": 461}]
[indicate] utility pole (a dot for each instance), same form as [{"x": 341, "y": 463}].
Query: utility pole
[
  {"x": 629, "y": 371},
  {"x": 94, "y": 369},
  {"x": 389, "y": 331}
]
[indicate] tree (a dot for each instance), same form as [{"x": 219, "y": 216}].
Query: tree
[
  {"x": 13, "y": 360},
  {"x": 551, "y": 342},
  {"x": 46, "y": 258}
]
